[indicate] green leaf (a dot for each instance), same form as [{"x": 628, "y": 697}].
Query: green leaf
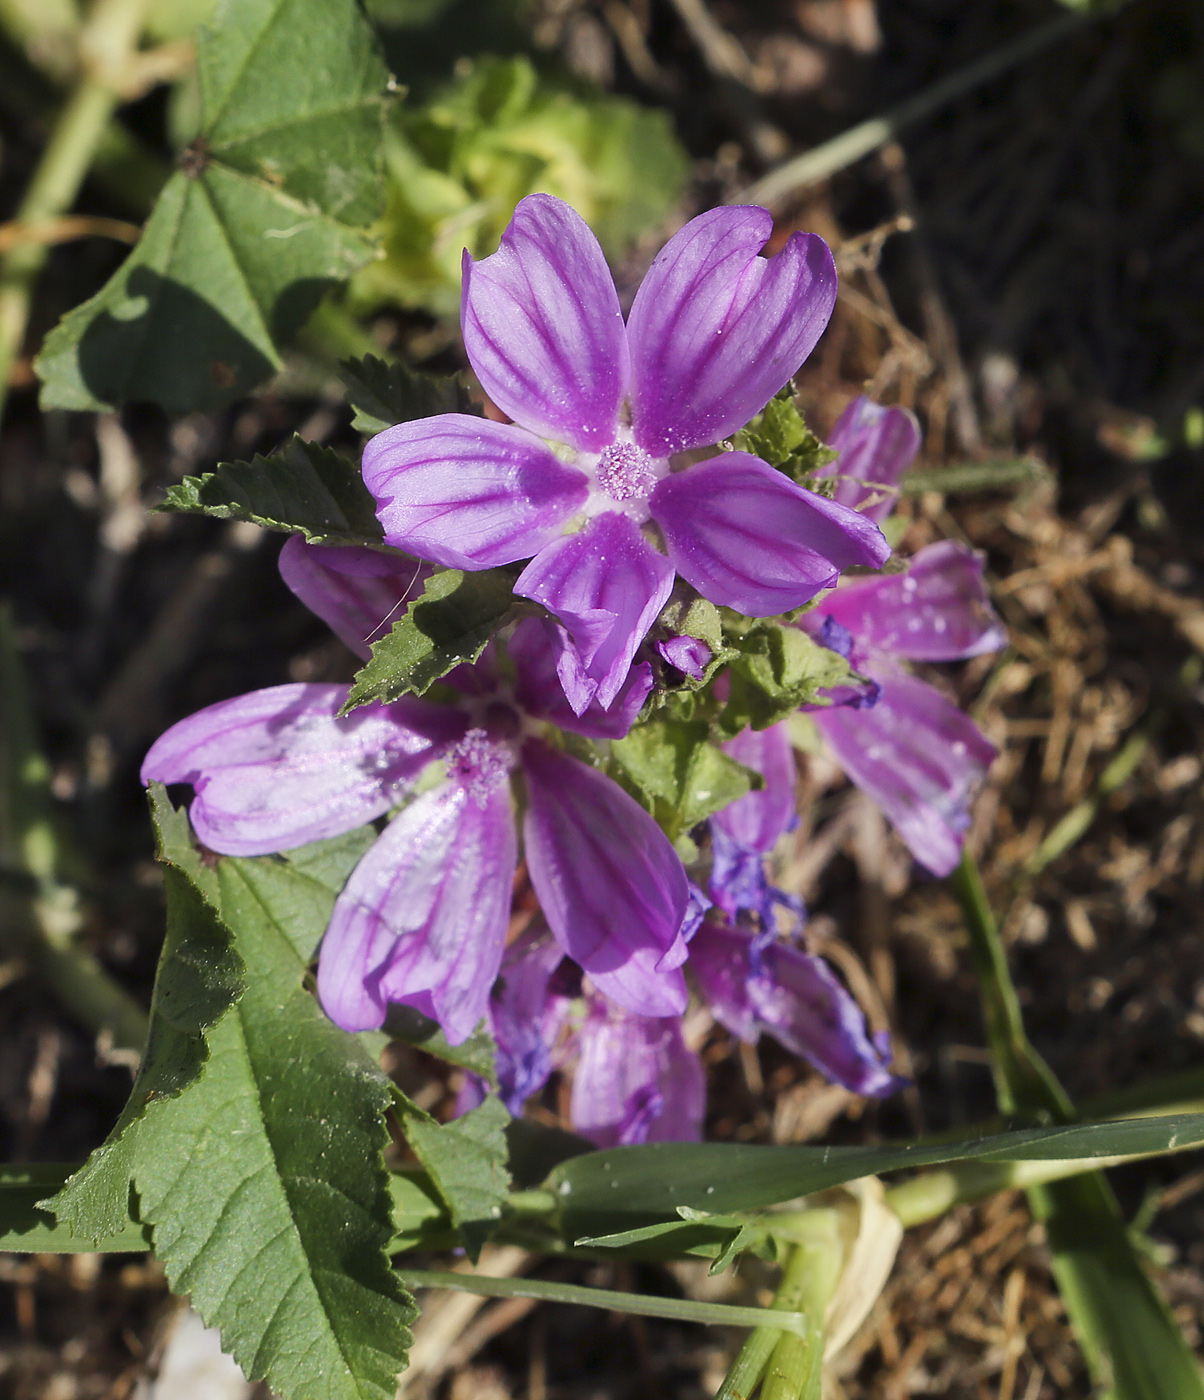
[
  {"x": 264, "y": 215},
  {"x": 466, "y": 1159},
  {"x": 777, "y": 669},
  {"x": 450, "y": 624},
  {"x": 199, "y": 978},
  {"x": 994, "y": 474},
  {"x": 476, "y": 1054},
  {"x": 26, "y": 1228},
  {"x": 264, "y": 1184},
  {"x": 419, "y": 1215},
  {"x": 779, "y": 436},
  {"x": 603, "y": 1192},
  {"x": 383, "y": 394},
  {"x": 302, "y": 488},
  {"x": 671, "y": 768}
]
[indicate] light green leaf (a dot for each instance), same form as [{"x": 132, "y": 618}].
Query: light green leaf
[
  {"x": 779, "y": 436},
  {"x": 199, "y": 978},
  {"x": 450, "y": 624},
  {"x": 777, "y": 669},
  {"x": 383, "y": 394},
  {"x": 466, "y": 1159},
  {"x": 264, "y": 1184},
  {"x": 264, "y": 215},
  {"x": 25, "y": 1227},
  {"x": 419, "y": 1215},
  {"x": 604, "y": 1192},
  {"x": 302, "y": 488}
]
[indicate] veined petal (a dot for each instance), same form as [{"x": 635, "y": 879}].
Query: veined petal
[
  {"x": 876, "y": 447},
  {"x": 635, "y": 1081},
  {"x": 919, "y": 757},
  {"x": 422, "y": 920},
  {"x": 610, "y": 884},
  {"x": 526, "y": 1016},
  {"x": 359, "y": 593},
  {"x": 748, "y": 538},
  {"x": 535, "y": 648},
  {"x": 938, "y": 610},
  {"x": 606, "y": 585},
  {"x": 543, "y": 329},
  {"x": 469, "y": 493},
  {"x": 279, "y": 767},
  {"x": 720, "y": 960},
  {"x": 756, "y": 820},
  {"x": 716, "y": 330}
]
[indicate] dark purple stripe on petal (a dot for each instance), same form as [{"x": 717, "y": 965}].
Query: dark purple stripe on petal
[
  {"x": 469, "y": 493},
  {"x": 610, "y": 884},
  {"x": 716, "y": 330},
  {"x": 543, "y": 329},
  {"x": 748, "y": 538}
]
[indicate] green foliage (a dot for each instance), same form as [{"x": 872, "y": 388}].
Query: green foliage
[
  {"x": 673, "y": 770},
  {"x": 466, "y": 1159},
  {"x": 302, "y": 488},
  {"x": 776, "y": 669},
  {"x": 476, "y": 1054},
  {"x": 27, "y": 1227},
  {"x": 457, "y": 165},
  {"x": 265, "y": 214},
  {"x": 420, "y": 1217},
  {"x": 779, "y": 436},
  {"x": 383, "y": 394},
  {"x": 450, "y": 624}
]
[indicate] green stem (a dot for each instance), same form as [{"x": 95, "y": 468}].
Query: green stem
[{"x": 106, "y": 45}]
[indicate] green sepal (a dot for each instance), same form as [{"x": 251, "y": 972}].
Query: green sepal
[
  {"x": 776, "y": 669},
  {"x": 779, "y": 436}
]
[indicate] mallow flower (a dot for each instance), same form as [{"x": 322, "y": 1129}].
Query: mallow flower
[
  {"x": 422, "y": 919},
  {"x": 597, "y": 472},
  {"x": 906, "y": 745}
]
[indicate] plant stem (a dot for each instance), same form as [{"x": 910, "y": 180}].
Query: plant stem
[{"x": 106, "y": 43}]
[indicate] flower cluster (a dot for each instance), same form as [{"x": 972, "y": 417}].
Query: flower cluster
[{"x": 613, "y": 485}]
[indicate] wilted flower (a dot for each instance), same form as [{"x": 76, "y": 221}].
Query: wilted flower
[
  {"x": 714, "y": 332},
  {"x": 422, "y": 918}
]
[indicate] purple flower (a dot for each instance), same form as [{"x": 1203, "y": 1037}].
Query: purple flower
[
  {"x": 755, "y": 986},
  {"x": 635, "y": 1081},
  {"x": 690, "y": 655},
  {"x": 359, "y": 593},
  {"x": 422, "y": 918},
  {"x": 876, "y": 445},
  {"x": 715, "y": 330}
]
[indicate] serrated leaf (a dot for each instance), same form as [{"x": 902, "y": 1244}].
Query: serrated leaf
[
  {"x": 624, "y": 1187},
  {"x": 304, "y": 488},
  {"x": 383, "y": 394},
  {"x": 777, "y": 669},
  {"x": 476, "y": 1054},
  {"x": 779, "y": 436},
  {"x": 27, "y": 1228},
  {"x": 449, "y": 625},
  {"x": 200, "y": 977},
  {"x": 419, "y": 1215},
  {"x": 264, "y": 216},
  {"x": 466, "y": 1159},
  {"x": 265, "y": 1186},
  {"x": 676, "y": 773}
]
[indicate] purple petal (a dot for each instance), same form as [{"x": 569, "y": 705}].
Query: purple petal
[
  {"x": 635, "y": 1081},
  {"x": 423, "y": 918},
  {"x": 606, "y": 585},
  {"x": 359, "y": 593},
  {"x": 690, "y": 655},
  {"x": 794, "y": 996},
  {"x": 921, "y": 760},
  {"x": 938, "y": 610},
  {"x": 527, "y": 1016},
  {"x": 278, "y": 768},
  {"x": 543, "y": 329},
  {"x": 748, "y": 538},
  {"x": 469, "y": 493},
  {"x": 716, "y": 330},
  {"x": 535, "y": 648},
  {"x": 610, "y": 884},
  {"x": 876, "y": 446},
  {"x": 756, "y": 820}
]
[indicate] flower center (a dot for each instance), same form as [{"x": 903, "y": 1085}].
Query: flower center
[
  {"x": 625, "y": 472},
  {"x": 479, "y": 764}
]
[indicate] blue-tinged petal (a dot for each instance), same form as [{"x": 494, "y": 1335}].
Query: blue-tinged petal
[
  {"x": 279, "y": 767},
  {"x": 748, "y": 538},
  {"x": 716, "y": 330},
  {"x": 543, "y": 329},
  {"x": 469, "y": 493},
  {"x": 609, "y": 882}
]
